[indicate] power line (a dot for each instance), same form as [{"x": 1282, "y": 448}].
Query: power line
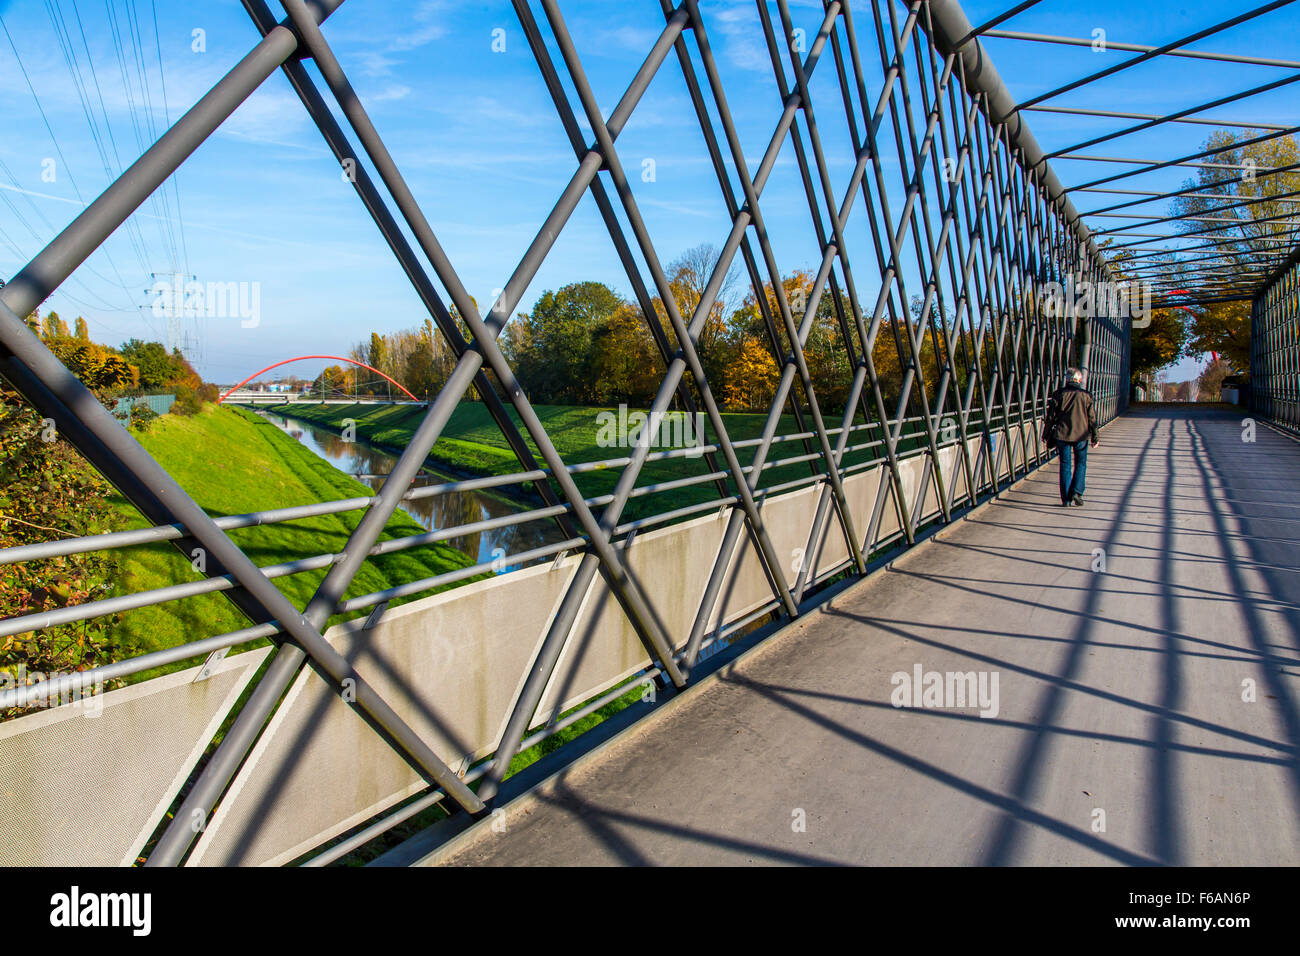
[
  {"x": 158, "y": 198},
  {"x": 41, "y": 240},
  {"x": 110, "y": 169},
  {"x": 167, "y": 119},
  {"x": 66, "y": 166}
]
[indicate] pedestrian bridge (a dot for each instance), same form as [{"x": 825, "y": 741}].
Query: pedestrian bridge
[
  {"x": 1115, "y": 683},
  {"x": 1146, "y": 700}
]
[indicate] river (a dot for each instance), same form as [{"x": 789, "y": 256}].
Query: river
[{"x": 367, "y": 463}]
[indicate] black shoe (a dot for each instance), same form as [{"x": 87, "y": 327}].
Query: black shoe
[{"x": 1077, "y": 501}]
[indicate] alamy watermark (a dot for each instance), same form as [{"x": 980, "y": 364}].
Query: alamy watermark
[
  {"x": 181, "y": 298},
  {"x": 625, "y": 429},
  {"x": 1084, "y": 298},
  {"x": 76, "y": 908},
  {"x": 939, "y": 690},
  {"x": 56, "y": 688}
]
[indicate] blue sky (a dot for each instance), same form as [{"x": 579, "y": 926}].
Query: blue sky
[{"x": 479, "y": 141}]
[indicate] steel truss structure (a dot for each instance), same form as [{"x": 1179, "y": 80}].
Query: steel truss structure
[
  {"x": 971, "y": 237},
  {"x": 1275, "y": 346},
  {"x": 1249, "y": 210}
]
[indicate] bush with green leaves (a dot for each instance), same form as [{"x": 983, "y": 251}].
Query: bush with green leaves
[
  {"x": 48, "y": 491},
  {"x": 187, "y": 401},
  {"x": 142, "y": 417}
]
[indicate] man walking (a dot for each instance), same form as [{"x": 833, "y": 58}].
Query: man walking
[{"x": 1071, "y": 426}]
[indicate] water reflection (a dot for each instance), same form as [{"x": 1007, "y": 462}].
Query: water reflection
[{"x": 369, "y": 465}]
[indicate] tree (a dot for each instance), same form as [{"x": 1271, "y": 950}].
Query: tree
[
  {"x": 627, "y": 366},
  {"x": 361, "y": 379},
  {"x": 552, "y": 347},
  {"x": 83, "y": 330},
  {"x": 53, "y": 327},
  {"x": 183, "y": 372},
  {"x": 100, "y": 368},
  {"x": 1158, "y": 345},
  {"x": 443, "y": 355},
  {"x": 935, "y": 345},
  {"x": 1224, "y": 329},
  {"x": 1211, "y": 380},
  {"x": 1244, "y": 173},
  {"x": 827, "y": 358},
  {"x": 378, "y": 353},
  {"x": 421, "y": 359},
  {"x": 151, "y": 359},
  {"x": 1256, "y": 174},
  {"x": 158, "y": 369},
  {"x": 823, "y": 350},
  {"x": 752, "y": 384},
  {"x": 331, "y": 382},
  {"x": 689, "y": 275},
  {"x": 417, "y": 369}
]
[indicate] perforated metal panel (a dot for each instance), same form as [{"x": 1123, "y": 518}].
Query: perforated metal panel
[
  {"x": 860, "y": 491},
  {"x": 672, "y": 566},
  {"x": 450, "y": 665},
  {"x": 788, "y": 518},
  {"x": 83, "y": 790}
]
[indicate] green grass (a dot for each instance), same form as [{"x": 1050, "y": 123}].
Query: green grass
[
  {"x": 230, "y": 461},
  {"x": 473, "y": 444}
]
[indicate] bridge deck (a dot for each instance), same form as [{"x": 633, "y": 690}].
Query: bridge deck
[{"x": 1118, "y": 691}]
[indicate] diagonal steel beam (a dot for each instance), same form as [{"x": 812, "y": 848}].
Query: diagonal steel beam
[{"x": 740, "y": 218}]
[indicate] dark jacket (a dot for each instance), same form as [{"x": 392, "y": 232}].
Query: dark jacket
[{"x": 1070, "y": 417}]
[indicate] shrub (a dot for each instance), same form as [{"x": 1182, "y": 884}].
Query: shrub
[
  {"x": 47, "y": 491},
  {"x": 208, "y": 392},
  {"x": 99, "y": 368},
  {"x": 187, "y": 401},
  {"x": 142, "y": 417}
]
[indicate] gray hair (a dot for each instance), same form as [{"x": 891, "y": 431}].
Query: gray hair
[{"x": 1074, "y": 375}]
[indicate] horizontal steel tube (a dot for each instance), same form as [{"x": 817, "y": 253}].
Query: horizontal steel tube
[
  {"x": 451, "y": 577},
  {"x": 70, "y": 683},
  {"x": 138, "y": 599}
]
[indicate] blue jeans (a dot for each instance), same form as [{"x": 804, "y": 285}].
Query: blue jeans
[{"x": 1074, "y": 465}]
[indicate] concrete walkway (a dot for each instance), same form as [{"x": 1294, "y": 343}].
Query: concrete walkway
[{"x": 1121, "y": 733}]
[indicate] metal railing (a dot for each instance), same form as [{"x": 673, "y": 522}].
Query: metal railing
[{"x": 983, "y": 225}]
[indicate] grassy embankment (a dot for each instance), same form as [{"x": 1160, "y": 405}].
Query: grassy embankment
[
  {"x": 232, "y": 462},
  {"x": 472, "y": 444}
]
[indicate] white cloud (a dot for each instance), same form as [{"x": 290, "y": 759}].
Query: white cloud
[
  {"x": 378, "y": 54},
  {"x": 637, "y": 39},
  {"x": 742, "y": 34},
  {"x": 395, "y": 91}
]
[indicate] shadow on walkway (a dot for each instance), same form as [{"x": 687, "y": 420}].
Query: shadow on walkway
[{"x": 1142, "y": 654}]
